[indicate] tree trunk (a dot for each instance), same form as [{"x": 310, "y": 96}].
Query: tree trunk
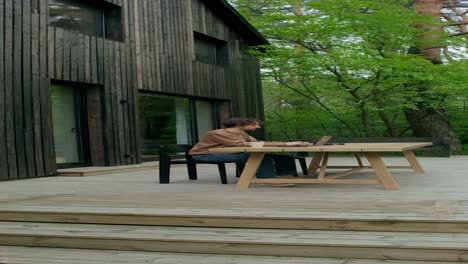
[
  {"x": 425, "y": 121},
  {"x": 366, "y": 123},
  {"x": 430, "y": 123},
  {"x": 429, "y": 47},
  {"x": 388, "y": 124}
]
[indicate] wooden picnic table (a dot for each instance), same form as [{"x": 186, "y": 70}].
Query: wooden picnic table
[{"x": 320, "y": 161}]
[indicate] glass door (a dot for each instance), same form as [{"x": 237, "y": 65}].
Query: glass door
[{"x": 68, "y": 125}]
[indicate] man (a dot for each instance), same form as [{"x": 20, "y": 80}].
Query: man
[{"x": 233, "y": 135}]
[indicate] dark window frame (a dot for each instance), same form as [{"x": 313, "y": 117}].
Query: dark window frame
[
  {"x": 220, "y": 49},
  {"x": 109, "y": 16}
]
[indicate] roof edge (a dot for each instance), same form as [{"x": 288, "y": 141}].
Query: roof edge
[{"x": 233, "y": 18}]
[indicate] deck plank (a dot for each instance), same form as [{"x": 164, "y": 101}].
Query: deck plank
[
  {"x": 34, "y": 255},
  {"x": 287, "y": 243},
  {"x": 239, "y": 236}
]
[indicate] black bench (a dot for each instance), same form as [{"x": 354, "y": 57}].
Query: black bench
[
  {"x": 166, "y": 159},
  {"x": 440, "y": 147}
]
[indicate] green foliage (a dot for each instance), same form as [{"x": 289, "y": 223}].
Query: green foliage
[{"x": 342, "y": 67}]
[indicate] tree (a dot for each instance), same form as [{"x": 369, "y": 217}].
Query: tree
[
  {"x": 354, "y": 53},
  {"x": 428, "y": 119}
]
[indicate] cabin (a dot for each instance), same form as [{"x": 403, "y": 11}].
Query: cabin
[{"x": 104, "y": 83}]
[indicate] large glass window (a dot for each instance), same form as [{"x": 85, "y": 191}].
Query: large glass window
[
  {"x": 163, "y": 120},
  {"x": 210, "y": 50},
  {"x": 96, "y": 18},
  {"x": 205, "y": 116},
  {"x": 172, "y": 120}
]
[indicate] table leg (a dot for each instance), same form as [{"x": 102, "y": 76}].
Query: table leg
[
  {"x": 381, "y": 171},
  {"x": 413, "y": 161},
  {"x": 251, "y": 167},
  {"x": 323, "y": 167},
  {"x": 358, "y": 158},
  {"x": 315, "y": 163}
]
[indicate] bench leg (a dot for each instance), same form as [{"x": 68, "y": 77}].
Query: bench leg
[
  {"x": 239, "y": 169},
  {"x": 302, "y": 162},
  {"x": 222, "y": 172},
  {"x": 192, "y": 170},
  {"x": 164, "y": 171}
]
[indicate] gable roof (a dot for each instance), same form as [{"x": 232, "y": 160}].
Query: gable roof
[{"x": 235, "y": 20}]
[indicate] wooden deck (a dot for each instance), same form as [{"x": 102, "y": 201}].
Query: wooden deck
[
  {"x": 439, "y": 194},
  {"x": 34, "y": 255},
  {"x": 429, "y": 214}
]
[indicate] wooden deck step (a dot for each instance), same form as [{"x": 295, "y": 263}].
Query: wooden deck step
[
  {"x": 286, "y": 243},
  {"x": 200, "y": 220},
  {"x": 36, "y": 255},
  {"x": 95, "y": 171}
]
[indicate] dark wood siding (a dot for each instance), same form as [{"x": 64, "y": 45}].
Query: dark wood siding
[
  {"x": 3, "y": 138},
  {"x": 239, "y": 81},
  {"x": 157, "y": 55},
  {"x": 26, "y": 137}
]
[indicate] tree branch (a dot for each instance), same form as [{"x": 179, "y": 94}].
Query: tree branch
[
  {"x": 318, "y": 101},
  {"x": 459, "y": 34},
  {"x": 458, "y": 24},
  {"x": 447, "y": 54},
  {"x": 404, "y": 131}
]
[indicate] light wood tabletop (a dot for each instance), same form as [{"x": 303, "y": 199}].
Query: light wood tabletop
[{"x": 320, "y": 161}]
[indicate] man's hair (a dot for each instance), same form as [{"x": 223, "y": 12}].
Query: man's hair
[{"x": 240, "y": 121}]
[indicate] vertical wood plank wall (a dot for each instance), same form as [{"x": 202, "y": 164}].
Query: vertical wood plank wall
[
  {"x": 157, "y": 55},
  {"x": 239, "y": 81},
  {"x": 3, "y": 148},
  {"x": 26, "y": 139}
]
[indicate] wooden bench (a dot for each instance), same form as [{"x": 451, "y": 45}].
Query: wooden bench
[{"x": 439, "y": 148}]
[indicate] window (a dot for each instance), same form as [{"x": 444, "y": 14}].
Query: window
[
  {"x": 205, "y": 109},
  {"x": 173, "y": 120},
  {"x": 210, "y": 50},
  {"x": 163, "y": 120},
  {"x": 97, "y": 18}
]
